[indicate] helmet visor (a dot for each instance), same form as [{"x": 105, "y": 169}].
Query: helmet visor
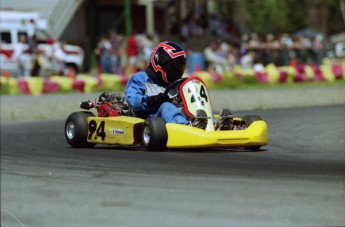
[{"x": 175, "y": 69}]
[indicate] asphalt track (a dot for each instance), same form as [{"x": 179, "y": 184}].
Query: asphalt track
[{"x": 297, "y": 180}]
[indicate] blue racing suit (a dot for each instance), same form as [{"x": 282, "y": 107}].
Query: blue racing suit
[{"x": 138, "y": 88}]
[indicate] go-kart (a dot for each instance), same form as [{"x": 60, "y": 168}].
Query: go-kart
[{"x": 116, "y": 123}]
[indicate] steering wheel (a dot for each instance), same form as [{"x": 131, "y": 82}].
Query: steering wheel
[{"x": 173, "y": 84}]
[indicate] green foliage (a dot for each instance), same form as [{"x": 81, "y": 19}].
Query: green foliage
[
  {"x": 288, "y": 16},
  {"x": 336, "y": 22}
]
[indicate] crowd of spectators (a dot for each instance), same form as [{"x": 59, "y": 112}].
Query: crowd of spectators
[
  {"x": 119, "y": 56},
  {"x": 198, "y": 24},
  {"x": 280, "y": 50},
  {"x": 33, "y": 62},
  {"x": 125, "y": 56},
  {"x": 247, "y": 50}
]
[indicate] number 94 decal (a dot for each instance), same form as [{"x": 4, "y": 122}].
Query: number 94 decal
[{"x": 97, "y": 130}]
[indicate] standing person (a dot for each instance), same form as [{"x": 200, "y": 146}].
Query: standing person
[
  {"x": 147, "y": 46},
  {"x": 248, "y": 60},
  {"x": 33, "y": 49},
  {"x": 21, "y": 56},
  {"x": 318, "y": 47},
  {"x": 115, "y": 53},
  {"x": 59, "y": 58},
  {"x": 214, "y": 61},
  {"x": 106, "y": 64},
  {"x": 97, "y": 52},
  {"x": 103, "y": 55},
  {"x": 145, "y": 89},
  {"x": 132, "y": 53}
]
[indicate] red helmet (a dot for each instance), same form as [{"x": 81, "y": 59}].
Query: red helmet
[{"x": 167, "y": 63}]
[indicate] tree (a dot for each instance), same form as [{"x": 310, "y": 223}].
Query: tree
[{"x": 288, "y": 16}]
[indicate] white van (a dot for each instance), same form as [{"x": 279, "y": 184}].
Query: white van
[{"x": 16, "y": 23}]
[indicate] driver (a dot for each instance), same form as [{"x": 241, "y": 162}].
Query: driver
[{"x": 145, "y": 89}]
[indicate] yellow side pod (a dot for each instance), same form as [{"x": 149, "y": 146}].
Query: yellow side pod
[
  {"x": 182, "y": 136},
  {"x": 114, "y": 130}
]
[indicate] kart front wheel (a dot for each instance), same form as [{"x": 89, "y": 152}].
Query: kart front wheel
[
  {"x": 76, "y": 129},
  {"x": 245, "y": 123},
  {"x": 154, "y": 134}
]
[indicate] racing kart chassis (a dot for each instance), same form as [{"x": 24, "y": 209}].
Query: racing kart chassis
[{"x": 117, "y": 124}]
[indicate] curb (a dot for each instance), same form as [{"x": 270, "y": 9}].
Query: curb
[
  {"x": 83, "y": 83},
  {"x": 59, "y": 106}
]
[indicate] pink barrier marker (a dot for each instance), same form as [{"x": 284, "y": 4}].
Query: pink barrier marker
[
  {"x": 50, "y": 86},
  {"x": 23, "y": 87},
  {"x": 283, "y": 76},
  {"x": 216, "y": 77},
  {"x": 337, "y": 71},
  {"x": 318, "y": 74},
  {"x": 262, "y": 77},
  {"x": 78, "y": 85},
  {"x": 300, "y": 74}
]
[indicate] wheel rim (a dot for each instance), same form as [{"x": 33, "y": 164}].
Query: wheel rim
[
  {"x": 146, "y": 135},
  {"x": 70, "y": 130}
]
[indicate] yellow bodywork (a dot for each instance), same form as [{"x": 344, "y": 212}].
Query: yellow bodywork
[
  {"x": 182, "y": 136},
  {"x": 114, "y": 130},
  {"x": 128, "y": 131}
]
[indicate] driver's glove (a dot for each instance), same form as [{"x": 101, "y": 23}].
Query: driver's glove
[{"x": 157, "y": 100}]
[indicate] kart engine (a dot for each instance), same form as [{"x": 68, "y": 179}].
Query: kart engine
[{"x": 108, "y": 105}]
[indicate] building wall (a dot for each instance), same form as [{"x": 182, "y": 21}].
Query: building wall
[{"x": 57, "y": 12}]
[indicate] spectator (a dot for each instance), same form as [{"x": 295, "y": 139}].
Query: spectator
[
  {"x": 184, "y": 33},
  {"x": 146, "y": 47},
  {"x": 194, "y": 26},
  {"x": 247, "y": 61},
  {"x": 268, "y": 52},
  {"x": 105, "y": 53},
  {"x": 97, "y": 52},
  {"x": 254, "y": 41},
  {"x": 22, "y": 57},
  {"x": 216, "y": 27},
  {"x": 213, "y": 60},
  {"x": 35, "y": 53},
  {"x": 59, "y": 58},
  {"x": 318, "y": 47},
  {"x": 132, "y": 53},
  {"x": 244, "y": 44},
  {"x": 234, "y": 54},
  {"x": 307, "y": 47},
  {"x": 115, "y": 53},
  {"x": 287, "y": 45},
  {"x": 225, "y": 51}
]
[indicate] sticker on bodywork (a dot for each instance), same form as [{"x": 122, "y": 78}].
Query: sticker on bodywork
[{"x": 117, "y": 131}]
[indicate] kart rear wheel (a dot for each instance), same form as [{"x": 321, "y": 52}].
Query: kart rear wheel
[
  {"x": 76, "y": 129},
  {"x": 154, "y": 134},
  {"x": 246, "y": 121}
]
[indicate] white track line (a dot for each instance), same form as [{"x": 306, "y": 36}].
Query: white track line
[{"x": 15, "y": 218}]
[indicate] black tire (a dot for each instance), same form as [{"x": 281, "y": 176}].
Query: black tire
[
  {"x": 154, "y": 134},
  {"x": 76, "y": 129},
  {"x": 246, "y": 121}
]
